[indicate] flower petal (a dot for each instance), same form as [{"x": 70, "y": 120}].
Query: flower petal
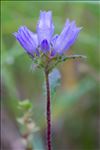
[
  {"x": 53, "y": 41},
  {"x": 45, "y": 46},
  {"x": 67, "y": 37},
  {"x": 73, "y": 38},
  {"x": 27, "y": 39},
  {"x": 45, "y": 27}
]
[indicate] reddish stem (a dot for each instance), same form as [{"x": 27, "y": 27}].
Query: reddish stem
[{"x": 48, "y": 112}]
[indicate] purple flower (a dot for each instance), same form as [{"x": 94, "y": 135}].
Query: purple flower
[{"x": 44, "y": 41}]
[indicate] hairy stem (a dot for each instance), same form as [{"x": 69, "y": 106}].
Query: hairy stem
[{"x": 48, "y": 111}]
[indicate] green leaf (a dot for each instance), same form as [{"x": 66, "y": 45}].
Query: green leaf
[
  {"x": 25, "y": 105},
  {"x": 64, "y": 58},
  {"x": 54, "y": 79}
]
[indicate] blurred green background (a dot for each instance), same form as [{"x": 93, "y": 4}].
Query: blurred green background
[{"x": 75, "y": 107}]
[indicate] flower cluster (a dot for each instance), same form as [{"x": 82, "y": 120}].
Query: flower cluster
[{"x": 44, "y": 43}]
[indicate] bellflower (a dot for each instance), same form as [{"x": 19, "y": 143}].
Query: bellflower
[
  {"x": 44, "y": 42},
  {"x": 47, "y": 50}
]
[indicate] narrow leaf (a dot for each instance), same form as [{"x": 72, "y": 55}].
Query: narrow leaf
[{"x": 73, "y": 57}]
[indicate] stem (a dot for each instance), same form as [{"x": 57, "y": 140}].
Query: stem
[{"x": 48, "y": 112}]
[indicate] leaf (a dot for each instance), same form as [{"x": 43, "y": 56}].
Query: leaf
[
  {"x": 64, "y": 58},
  {"x": 25, "y": 105},
  {"x": 54, "y": 79}
]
